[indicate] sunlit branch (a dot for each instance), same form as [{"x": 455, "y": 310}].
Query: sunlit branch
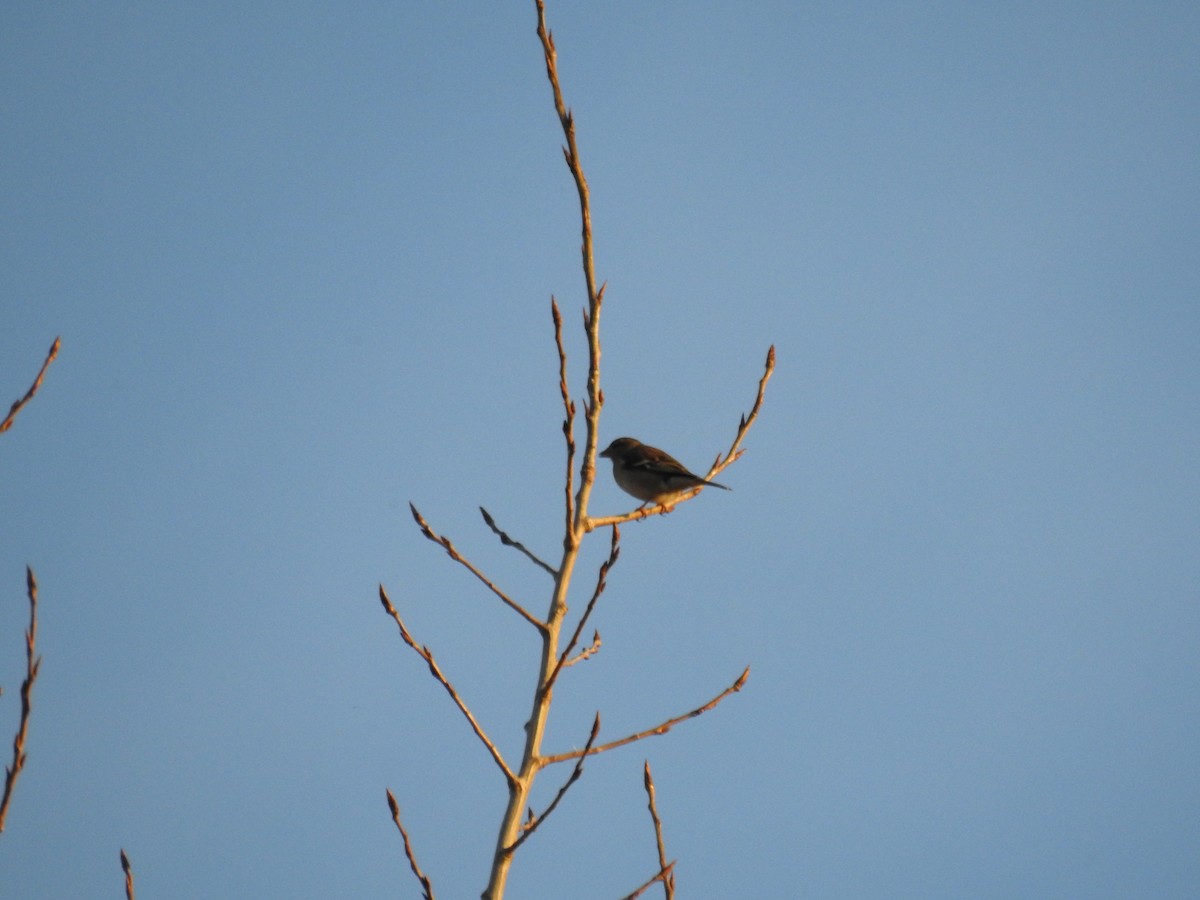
[
  {"x": 128, "y": 870},
  {"x": 590, "y": 650},
  {"x": 426, "y": 887},
  {"x": 665, "y": 872},
  {"x": 669, "y": 878},
  {"x": 33, "y": 389},
  {"x": 614, "y": 551},
  {"x": 657, "y": 729},
  {"x": 426, "y": 655},
  {"x": 32, "y": 666},
  {"x": 532, "y": 825},
  {"x": 568, "y": 413},
  {"x": 509, "y": 542},
  {"x": 459, "y": 558}
]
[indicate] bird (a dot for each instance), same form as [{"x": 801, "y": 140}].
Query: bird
[{"x": 650, "y": 474}]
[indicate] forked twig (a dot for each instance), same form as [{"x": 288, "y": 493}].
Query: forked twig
[
  {"x": 614, "y": 551},
  {"x": 33, "y": 389},
  {"x": 669, "y": 879},
  {"x": 426, "y": 655},
  {"x": 453, "y": 553},
  {"x": 532, "y": 825},
  {"x": 665, "y": 872},
  {"x": 656, "y": 730},
  {"x": 590, "y": 650},
  {"x": 32, "y": 665},
  {"x": 426, "y": 887},
  {"x": 509, "y": 542},
  {"x": 733, "y": 455},
  {"x": 128, "y": 869}
]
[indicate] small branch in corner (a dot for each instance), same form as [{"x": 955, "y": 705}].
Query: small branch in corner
[{"x": 426, "y": 887}]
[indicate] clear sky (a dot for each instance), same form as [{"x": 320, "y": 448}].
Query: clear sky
[{"x": 301, "y": 256}]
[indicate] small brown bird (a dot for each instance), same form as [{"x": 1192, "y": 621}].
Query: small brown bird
[{"x": 650, "y": 474}]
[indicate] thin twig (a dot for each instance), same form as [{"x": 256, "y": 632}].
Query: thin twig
[
  {"x": 33, "y": 389},
  {"x": 426, "y": 655},
  {"x": 426, "y": 887},
  {"x": 591, "y": 316},
  {"x": 657, "y": 729},
  {"x": 535, "y": 821},
  {"x": 128, "y": 869},
  {"x": 459, "y": 558},
  {"x": 747, "y": 420},
  {"x": 733, "y": 455},
  {"x": 586, "y": 652},
  {"x": 614, "y": 551},
  {"x": 669, "y": 880},
  {"x": 665, "y": 872},
  {"x": 32, "y": 666},
  {"x": 509, "y": 542},
  {"x": 568, "y": 411}
]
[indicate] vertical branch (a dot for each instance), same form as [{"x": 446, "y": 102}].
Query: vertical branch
[
  {"x": 668, "y": 875},
  {"x": 128, "y": 869},
  {"x": 535, "y": 726},
  {"x": 568, "y": 413},
  {"x": 591, "y": 317},
  {"x": 32, "y": 665}
]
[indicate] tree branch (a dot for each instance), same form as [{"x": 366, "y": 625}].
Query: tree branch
[
  {"x": 426, "y": 655},
  {"x": 590, "y": 650},
  {"x": 656, "y": 730},
  {"x": 667, "y": 871},
  {"x": 535, "y": 821},
  {"x": 568, "y": 412},
  {"x": 426, "y": 887},
  {"x": 509, "y": 542},
  {"x": 128, "y": 869},
  {"x": 459, "y": 558},
  {"x": 32, "y": 665},
  {"x": 33, "y": 389},
  {"x": 733, "y": 455},
  {"x": 668, "y": 880},
  {"x": 614, "y": 551}
]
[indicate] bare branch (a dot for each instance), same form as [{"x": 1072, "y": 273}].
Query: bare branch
[
  {"x": 33, "y": 389},
  {"x": 668, "y": 880},
  {"x": 657, "y": 729},
  {"x": 733, "y": 455},
  {"x": 459, "y": 558},
  {"x": 534, "y": 821},
  {"x": 665, "y": 872},
  {"x": 614, "y": 551},
  {"x": 426, "y": 655},
  {"x": 128, "y": 869},
  {"x": 509, "y": 542},
  {"x": 591, "y": 317},
  {"x": 568, "y": 412},
  {"x": 426, "y": 887},
  {"x": 747, "y": 420},
  {"x": 32, "y": 666},
  {"x": 586, "y": 652}
]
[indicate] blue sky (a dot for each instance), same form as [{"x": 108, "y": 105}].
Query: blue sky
[{"x": 301, "y": 259}]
